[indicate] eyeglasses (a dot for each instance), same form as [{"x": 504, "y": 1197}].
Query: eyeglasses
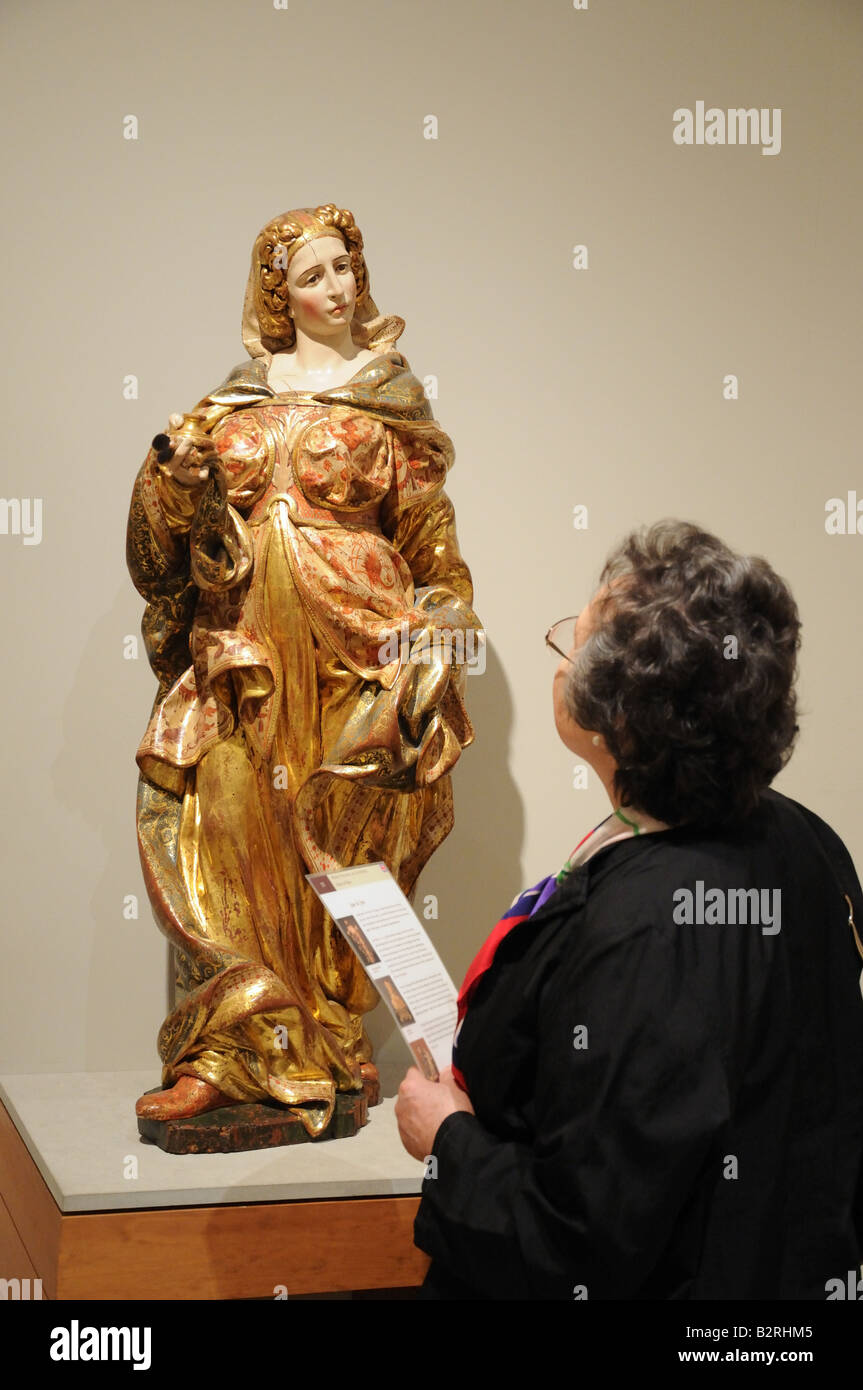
[{"x": 561, "y": 637}]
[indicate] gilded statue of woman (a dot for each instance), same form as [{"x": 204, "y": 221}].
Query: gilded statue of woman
[{"x": 287, "y": 534}]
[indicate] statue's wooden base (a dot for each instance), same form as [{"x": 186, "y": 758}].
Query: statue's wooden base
[
  {"x": 362, "y": 1246},
  {"x": 238, "y": 1128}
]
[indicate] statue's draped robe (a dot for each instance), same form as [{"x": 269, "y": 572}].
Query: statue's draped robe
[{"x": 298, "y": 739}]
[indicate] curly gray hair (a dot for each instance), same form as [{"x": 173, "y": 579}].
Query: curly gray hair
[{"x": 689, "y": 674}]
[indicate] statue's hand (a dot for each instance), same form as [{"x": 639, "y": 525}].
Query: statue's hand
[{"x": 186, "y": 452}]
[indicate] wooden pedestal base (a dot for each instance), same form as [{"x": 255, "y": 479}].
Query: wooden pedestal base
[
  {"x": 238, "y": 1128},
  {"x": 252, "y": 1250}
]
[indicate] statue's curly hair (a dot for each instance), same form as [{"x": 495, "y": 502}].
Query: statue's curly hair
[
  {"x": 272, "y": 253},
  {"x": 689, "y": 674}
]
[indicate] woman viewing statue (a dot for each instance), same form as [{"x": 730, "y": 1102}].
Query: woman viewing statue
[
  {"x": 657, "y": 1083},
  {"x": 287, "y": 533}
]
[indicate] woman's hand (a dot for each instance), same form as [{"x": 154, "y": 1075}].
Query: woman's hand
[
  {"x": 188, "y": 463},
  {"x": 423, "y": 1105}
]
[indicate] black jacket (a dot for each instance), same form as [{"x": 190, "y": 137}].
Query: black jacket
[{"x": 663, "y": 1111}]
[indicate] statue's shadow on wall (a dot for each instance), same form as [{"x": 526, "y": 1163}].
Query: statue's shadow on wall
[{"x": 476, "y": 873}]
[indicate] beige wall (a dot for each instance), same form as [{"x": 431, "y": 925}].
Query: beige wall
[{"x": 559, "y": 387}]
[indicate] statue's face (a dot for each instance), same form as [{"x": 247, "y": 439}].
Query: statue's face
[{"x": 321, "y": 286}]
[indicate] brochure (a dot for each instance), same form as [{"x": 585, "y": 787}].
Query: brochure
[{"x": 391, "y": 943}]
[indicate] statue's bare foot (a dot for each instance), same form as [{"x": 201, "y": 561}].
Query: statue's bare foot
[
  {"x": 371, "y": 1083},
  {"x": 188, "y": 1096}
]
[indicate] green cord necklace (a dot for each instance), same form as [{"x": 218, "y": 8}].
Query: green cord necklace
[{"x": 633, "y": 825}]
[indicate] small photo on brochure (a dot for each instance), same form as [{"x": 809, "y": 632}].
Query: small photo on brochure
[
  {"x": 350, "y": 927},
  {"x": 395, "y": 1000},
  {"x": 321, "y": 883},
  {"x": 424, "y": 1059}
]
